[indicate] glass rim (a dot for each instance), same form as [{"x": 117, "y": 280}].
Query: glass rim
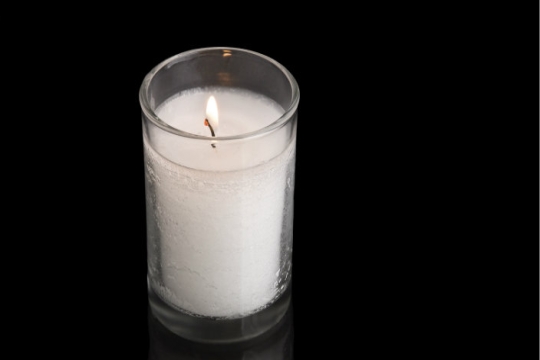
[{"x": 156, "y": 120}]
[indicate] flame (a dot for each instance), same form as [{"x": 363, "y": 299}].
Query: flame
[{"x": 212, "y": 112}]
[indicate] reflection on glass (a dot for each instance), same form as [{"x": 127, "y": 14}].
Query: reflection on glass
[{"x": 275, "y": 344}]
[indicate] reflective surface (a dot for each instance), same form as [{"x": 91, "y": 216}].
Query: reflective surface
[{"x": 275, "y": 344}]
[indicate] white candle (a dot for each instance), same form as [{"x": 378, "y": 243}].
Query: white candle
[{"x": 217, "y": 212}]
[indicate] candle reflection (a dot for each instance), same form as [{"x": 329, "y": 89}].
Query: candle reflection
[{"x": 275, "y": 344}]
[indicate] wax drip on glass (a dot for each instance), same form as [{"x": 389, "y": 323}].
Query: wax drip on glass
[{"x": 211, "y": 119}]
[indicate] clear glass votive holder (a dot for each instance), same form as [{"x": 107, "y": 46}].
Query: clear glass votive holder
[{"x": 219, "y": 137}]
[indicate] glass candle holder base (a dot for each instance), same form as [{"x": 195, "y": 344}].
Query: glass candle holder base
[{"x": 218, "y": 331}]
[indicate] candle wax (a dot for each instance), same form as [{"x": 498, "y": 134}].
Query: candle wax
[{"x": 216, "y": 215}]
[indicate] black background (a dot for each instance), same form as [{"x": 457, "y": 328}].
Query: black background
[{"x": 416, "y": 205}]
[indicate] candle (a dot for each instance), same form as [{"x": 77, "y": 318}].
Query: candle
[
  {"x": 219, "y": 226},
  {"x": 219, "y": 136}
]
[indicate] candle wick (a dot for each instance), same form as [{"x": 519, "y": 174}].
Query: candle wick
[{"x": 207, "y": 123}]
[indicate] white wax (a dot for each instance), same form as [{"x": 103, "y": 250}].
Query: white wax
[
  {"x": 239, "y": 111},
  {"x": 218, "y": 212}
]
